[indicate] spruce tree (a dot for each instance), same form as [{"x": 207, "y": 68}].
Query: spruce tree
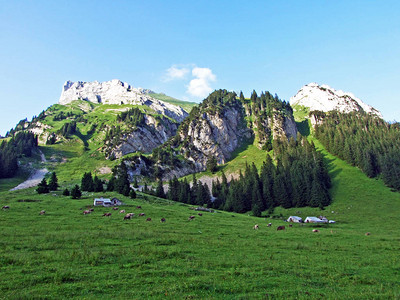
[
  {"x": 53, "y": 184},
  {"x": 87, "y": 182},
  {"x": 43, "y": 188},
  {"x": 76, "y": 192},
  {"x": 160, "y": 190}
]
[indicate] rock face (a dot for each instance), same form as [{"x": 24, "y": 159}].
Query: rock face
[
  {"x": 214, "y": 135},
  {"x": 117, "y": 92},
  {"x": 325, "y": 98},
  {"x": 146, "y": 138}
]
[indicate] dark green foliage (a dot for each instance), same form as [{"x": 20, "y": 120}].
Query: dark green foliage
[
  {"x": 132, "y": 194},
  {"x": 42, "y": 187},
  {"x": 22, "y": 144},
  {"x": 68, "y": 129},
  {"x": 98, "y": 184},
  {"x": 299, "y": 179},
  {"x": 53, "y": 183},
  {"x": 87, "y": 183},
  {"x": 160, "y": 190},
  {"x": 76, "y": 192},
  {"x": 133, "y": 117},
  {"x": 212, "y": 164},
  {"x": 120, "y": 181},
  {"x": 364, "y": 141},
  {"x": 66, "y": 192}
]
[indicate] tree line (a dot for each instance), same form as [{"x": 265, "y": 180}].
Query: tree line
[
  {"x": 299, "y": 177},
  {"x": 22, "y": 144},
  {"x": 363, "y": 140}
]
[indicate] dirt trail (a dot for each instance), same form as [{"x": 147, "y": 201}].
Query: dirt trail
[{"x": 35, "y": 178}]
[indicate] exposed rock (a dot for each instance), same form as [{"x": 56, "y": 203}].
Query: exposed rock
[
  {"x": 214, "y": 135},
  {"x": 117, "y": 92},
  {"x": 325, "y": 98},
  {"x": 283, "y": 126},
  {"x": 146, "y": 138}
]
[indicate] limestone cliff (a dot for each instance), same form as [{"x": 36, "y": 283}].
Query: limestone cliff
[{"x": 117, "y": 92}]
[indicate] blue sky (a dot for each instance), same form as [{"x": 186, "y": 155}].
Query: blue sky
[{"x": 186, "y": 48}]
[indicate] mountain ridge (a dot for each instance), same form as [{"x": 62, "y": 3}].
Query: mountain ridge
[{"x": 324, "y": 98}]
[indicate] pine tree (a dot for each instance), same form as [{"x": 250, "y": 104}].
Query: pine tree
[
  {"x": 76, "y": 192},
  {"x": 66, "y": 192},
  {"x": 160, "y": 190},
  {"x": 43, "y": 188},
  {"x": 87, "y": 182},
  {"x": 132, "y": 194},
  {"x": 53, "y": 184},
  {"x": 98, "y": 184}
]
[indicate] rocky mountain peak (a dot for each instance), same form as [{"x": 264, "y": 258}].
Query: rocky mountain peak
[
  {"x": 117, "y": 92},
  {"x": 325, "y": 98}
]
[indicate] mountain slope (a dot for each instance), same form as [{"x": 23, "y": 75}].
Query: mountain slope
[{"x": 325, "y": 98}]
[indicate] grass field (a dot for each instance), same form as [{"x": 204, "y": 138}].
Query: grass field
[{"x": 64, "y": 254}]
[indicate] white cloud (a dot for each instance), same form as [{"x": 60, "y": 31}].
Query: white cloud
[
  {"x": 200, "y": 85},
  {"x": 175, "y": 72}
]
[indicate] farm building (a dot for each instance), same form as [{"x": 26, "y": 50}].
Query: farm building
[
  {"x": 295, "y": 219},
  {"x": 106, "y": 202},
  {"x": 316, "y": 220}
]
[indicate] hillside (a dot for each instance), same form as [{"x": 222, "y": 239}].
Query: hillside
[{"x": 109, "y": 257}]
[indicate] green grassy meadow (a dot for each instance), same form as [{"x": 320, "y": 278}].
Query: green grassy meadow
[{"x": 65, "y": 254}]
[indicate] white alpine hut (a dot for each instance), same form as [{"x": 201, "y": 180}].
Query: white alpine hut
[{"x": 295, "y": 219}]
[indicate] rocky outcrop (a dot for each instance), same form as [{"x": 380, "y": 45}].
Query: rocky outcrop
[
  {"x": 117, "y": 92},
  {"x": 324, "y": 98},
  {"x": 283, "y": 126},
  {"x": 145, "y": 138},
  {"x": 214, "y": 135}
]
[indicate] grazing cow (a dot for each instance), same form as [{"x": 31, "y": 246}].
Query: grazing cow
[
  {"x": 128, "y": 217},
  {"x": 255, "y": 227},
  {"x": 122, "y": 211},
  {"x": 200, "y": 214},
  {"x": 115, "y": 208},
  {"x": 138, "y": 207},
  {"x": 163, "y": 220},
  {"x": 290, "y": 225},
  {"x": 280, "y": 228},
  {"x": 191, "y": 218},
  {"x": 141, "y": 214},
  {"x": 368, "y": 233},
  {"x": 5, "y": 207},
  {"x": 107, "y": 215},
  {"x": 42, "y": 212},
  {"x": 148, "y": 219},
  {"x": 86, "y": 212},
  {"x": 315, "y": 230},
  {"x": 92, "y": 209},
  {"x": 269, "y": 224}
]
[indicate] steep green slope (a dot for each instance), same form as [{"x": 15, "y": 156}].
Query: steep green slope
[{"x": 186, "y": 105}]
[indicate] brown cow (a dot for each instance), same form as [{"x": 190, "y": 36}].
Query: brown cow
[
  {"x": 191, "y": 218},
  {"x": 269, "y": 224},
  {"x": 127, "y": 217},
  {"x": 107, "y": 215},
  {"x": 148, "y": 219},
  {"x": 200, "y": 214},
  {"x": 163, "y": 220},
  {"x": 86, "y": 212},
  {"x": 280, "y": 228},
  {"x": 142, "y": 214},
  {"x": 115, "y": 208},
  {"x": 367, "y": 233},
  {"x": 122, "y": 211},
  {"x": 315, "y": 230},
  {"x": 42, "y": 212},
  {"x": 138, "y": 207},
  {"x": 290, "y": 225},
  {"x": 5, "y": 207}
]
